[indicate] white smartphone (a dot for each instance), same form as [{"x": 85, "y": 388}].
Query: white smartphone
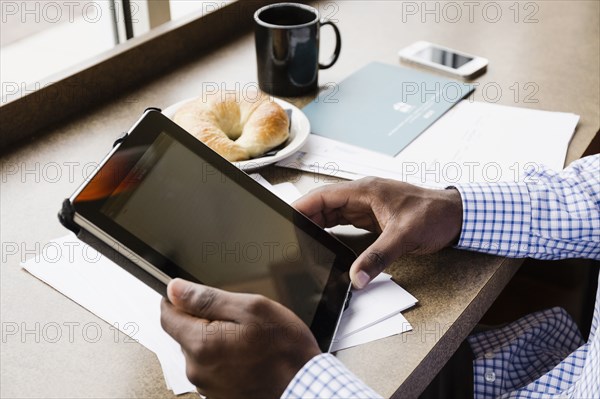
[{"x": 444, "y": 59}]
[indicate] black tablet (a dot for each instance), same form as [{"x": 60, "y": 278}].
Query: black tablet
[{"x": 164, "y": 205}]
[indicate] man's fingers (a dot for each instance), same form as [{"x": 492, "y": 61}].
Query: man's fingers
[
  {"x": 199, "y": 338},
  {"x": 205, "y": 302},
  {"x": 375, "y": 258},
  {"x": 322, "y": 200},
  {"x": 183, "y": 327}
]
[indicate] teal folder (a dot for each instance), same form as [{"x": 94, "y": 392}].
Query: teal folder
[{"x": 383, "y": 107}]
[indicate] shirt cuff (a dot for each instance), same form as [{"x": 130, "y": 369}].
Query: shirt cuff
[
  {"x": 496, "y": 218},
  {"x": 324, "y": 376}
]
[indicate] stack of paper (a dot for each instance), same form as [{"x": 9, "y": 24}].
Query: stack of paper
[
  {"x": 374, "y": 313},
  {"x": 106, "y": 290},
  {"x": 473, "y": 142}
]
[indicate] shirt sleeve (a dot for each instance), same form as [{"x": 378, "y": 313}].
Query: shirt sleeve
[
  {"x": 548, "y": 215},
  {"x": 509, "y": 358},
  {"x": 324, "y": 376}
]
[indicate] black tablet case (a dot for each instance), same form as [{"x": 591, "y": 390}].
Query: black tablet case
[{"x": 65, "y": 216}]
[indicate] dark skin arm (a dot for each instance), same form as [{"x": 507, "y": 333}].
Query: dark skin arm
[{"x": 410, "y": 220}]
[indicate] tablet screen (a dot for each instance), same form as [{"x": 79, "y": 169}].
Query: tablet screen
[
  {"x": 174, "y": 208},
  {"x": 209, "y": 225}
]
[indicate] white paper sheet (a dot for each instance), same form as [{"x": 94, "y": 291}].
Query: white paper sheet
[
  {"x": 394, "y": 325},
  {"x": 474, "y": 141},
  {"x": 96, "y": 283},
  {"x": 286, "y": 191},
  {"x": 379, "y": 300}
]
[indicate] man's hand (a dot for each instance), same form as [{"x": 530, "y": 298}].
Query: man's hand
[
  {"x": 236, "y": 345},
  {"x": 410, "y": 220}
]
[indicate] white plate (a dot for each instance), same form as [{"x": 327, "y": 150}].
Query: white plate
[{"x": 299, "y": 131}]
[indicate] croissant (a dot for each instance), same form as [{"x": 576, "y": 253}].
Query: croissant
[{"x": 237, "y": 129}]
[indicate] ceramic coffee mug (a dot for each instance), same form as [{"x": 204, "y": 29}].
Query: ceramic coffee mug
[{"x": 287, "y": 48}]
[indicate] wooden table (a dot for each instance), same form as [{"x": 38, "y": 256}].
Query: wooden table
[{"x": 546, "y": 57}]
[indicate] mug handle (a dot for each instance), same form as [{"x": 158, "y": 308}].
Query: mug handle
[{"x": 338, "y": 45}]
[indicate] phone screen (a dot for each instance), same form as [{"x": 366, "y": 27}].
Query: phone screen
[{"x": 443, "y": 57}]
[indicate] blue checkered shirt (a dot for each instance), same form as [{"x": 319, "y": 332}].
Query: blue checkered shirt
[{"x": 550, "y": 215}]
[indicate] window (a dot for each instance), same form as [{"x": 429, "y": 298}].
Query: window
[{"x": 42, "y": 39}]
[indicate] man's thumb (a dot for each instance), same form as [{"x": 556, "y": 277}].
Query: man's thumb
[
  {"x": 374, "y": 259},
  {"x": 202, "y": 301}
]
